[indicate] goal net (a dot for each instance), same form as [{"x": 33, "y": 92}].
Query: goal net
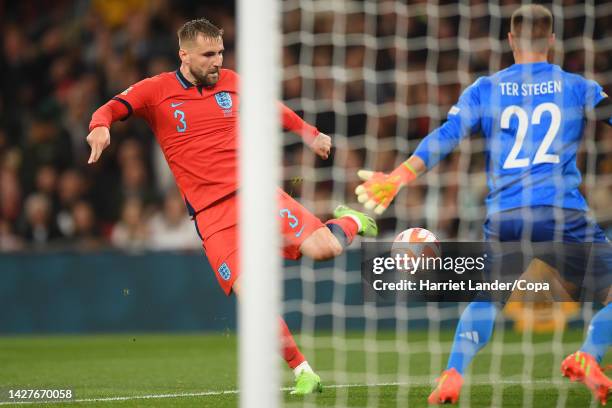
[{"x": 378, "y": 76}]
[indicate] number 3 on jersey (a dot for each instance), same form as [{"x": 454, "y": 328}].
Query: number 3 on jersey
[
  {"x": 180, "y": 115},
  {"x": 541, "y": 156}
]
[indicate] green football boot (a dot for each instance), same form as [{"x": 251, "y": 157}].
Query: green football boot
[
  {"x": 368, "y": 225},
  {"x": 307, "y": 383}
]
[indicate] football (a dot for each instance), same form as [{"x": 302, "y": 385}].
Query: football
[
  {"x": 414, "y": 235},
  {"x": 415, "y": 243}
]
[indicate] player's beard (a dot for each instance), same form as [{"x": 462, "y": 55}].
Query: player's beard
[{"x": 207, "y": 79}]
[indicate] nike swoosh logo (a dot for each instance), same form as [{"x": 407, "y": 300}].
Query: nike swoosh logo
[{"x": 174, "y": 105}]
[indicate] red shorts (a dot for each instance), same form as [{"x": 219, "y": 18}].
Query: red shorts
[{"x": 217, "y": 225}]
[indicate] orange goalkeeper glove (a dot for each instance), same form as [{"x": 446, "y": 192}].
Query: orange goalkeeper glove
[{"x": 379, "y": 189}]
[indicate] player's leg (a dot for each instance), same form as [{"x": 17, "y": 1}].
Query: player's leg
[
  {"x": 320, "y": 245},
  {"x": 599, "y": 335},
  {"x": 305, "y": 234},
  {"x": 473, "y": 332},
  {"x": 584, "y": 364},
  {"x": 218, "y": 229},
  {"x": 342, "y": 226},
  {"x": 306, "y": 380},
  {"x": 475, "y": 326},
  {"x": 291, "y": 353}
]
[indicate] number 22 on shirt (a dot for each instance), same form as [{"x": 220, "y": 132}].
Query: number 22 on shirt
[{"x": 542, "y": 155}]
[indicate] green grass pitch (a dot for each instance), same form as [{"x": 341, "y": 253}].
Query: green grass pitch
[{"x": 197, "y": 368}]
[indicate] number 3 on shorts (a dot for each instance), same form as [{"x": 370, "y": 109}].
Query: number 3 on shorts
[{"x": 293, "y": 221}]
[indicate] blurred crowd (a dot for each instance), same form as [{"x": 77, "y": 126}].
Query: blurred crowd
[{"x": 61, "y": 60}]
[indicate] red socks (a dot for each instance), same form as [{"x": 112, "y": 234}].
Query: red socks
[
  {"x": 347, "y": 225},
  {"x": 291, "y": 353}
]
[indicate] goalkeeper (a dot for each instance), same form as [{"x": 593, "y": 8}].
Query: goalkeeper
[{"x": 532, "y": 116}]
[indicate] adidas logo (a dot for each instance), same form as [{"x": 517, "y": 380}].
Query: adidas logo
[{"x": 471, "y": 336}]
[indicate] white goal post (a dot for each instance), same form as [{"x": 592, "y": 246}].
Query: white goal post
[{"x": 260, "y": 297}]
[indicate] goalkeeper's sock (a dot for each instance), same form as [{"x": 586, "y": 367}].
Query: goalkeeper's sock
[
  {"x": 291, "y": 352},
  {"x": 344, "y": 229},
  {"x": 599, "y": 336},
  {"x": 473, "y": 333}
]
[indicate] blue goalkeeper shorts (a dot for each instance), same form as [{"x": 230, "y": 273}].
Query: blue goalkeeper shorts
[
  {"x": 542, "y": 224},
  {"x": 568, "y": 240}
]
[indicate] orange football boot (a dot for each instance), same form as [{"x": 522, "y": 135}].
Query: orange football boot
[
  {"x": 583, "y": 367},
  {"x": 448, "y": 388}
]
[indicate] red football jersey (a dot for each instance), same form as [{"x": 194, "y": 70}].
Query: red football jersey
[{"x": 197, "y": 129}]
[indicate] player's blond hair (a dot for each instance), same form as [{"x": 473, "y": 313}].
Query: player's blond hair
[
  {"x": 201, "y": 26},
  {"x": 531, "y": 26}
]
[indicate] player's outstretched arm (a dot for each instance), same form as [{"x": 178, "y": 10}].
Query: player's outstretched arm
[
  {"x": 98, "y": 139},
  {"x": 379, "y": 189}
]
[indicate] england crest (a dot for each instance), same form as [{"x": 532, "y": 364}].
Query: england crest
[
  {"x": 224, "y": 100},
  {"x": 224, "y": 270}
]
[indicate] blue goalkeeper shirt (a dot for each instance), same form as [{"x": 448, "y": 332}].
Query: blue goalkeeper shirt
[{"x": 532, "y": 117}]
